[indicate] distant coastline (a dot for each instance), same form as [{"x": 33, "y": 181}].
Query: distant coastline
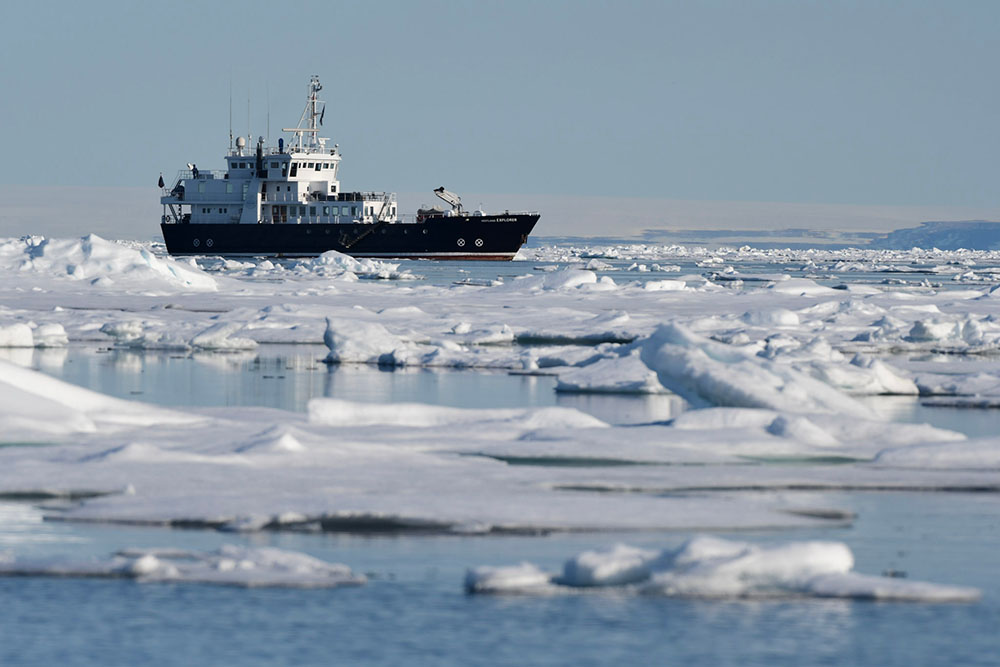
[{"x": 945, "y": 235}]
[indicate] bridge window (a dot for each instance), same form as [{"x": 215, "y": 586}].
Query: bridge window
[
  {"x": 319, "y": 165},
  {"x": 326, "y": 210},
  {"x": 312, "y": 211},
  {"x": 274, "y": 165}
]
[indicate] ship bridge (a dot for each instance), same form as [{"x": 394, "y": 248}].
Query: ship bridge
[{"x": 294, "y": 184}]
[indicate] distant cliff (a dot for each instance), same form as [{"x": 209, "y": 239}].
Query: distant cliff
[{"x": 970, "y": 234}]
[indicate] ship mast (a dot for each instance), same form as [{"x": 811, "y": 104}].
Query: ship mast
[{"x": 311, "y": 116}]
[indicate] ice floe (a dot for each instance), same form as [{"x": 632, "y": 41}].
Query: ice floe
[
  {"x": 230, "y": 565},
  {"x": 710, "y": 567}
]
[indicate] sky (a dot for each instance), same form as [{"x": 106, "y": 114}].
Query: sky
[{"x": 853, "y": 104}]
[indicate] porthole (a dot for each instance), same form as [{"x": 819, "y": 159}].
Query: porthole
[
  {"x": 479, "y": 243},
  {"x": 425, "y": 231},
  {"x": 196, "y": 243},
  {"x": 209, "y": 243},
  {"x": 461, "y": 243}
]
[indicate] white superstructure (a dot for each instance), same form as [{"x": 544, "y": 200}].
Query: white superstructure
[{"x": 294, "y": 184}]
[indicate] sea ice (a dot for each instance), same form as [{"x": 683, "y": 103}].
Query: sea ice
[
  {"x": 229, "y": 565},
  {"x": 710, "y": 567}
]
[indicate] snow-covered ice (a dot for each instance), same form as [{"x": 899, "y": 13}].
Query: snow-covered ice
[
  {"x": 710, "y": 567},
  {"x": 769, "y": 371},
  {"x": 230, "y": 565}
]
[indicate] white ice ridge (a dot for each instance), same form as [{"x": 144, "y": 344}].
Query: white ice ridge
[
  {"x": 229, "y": 565},
  {"x": 99, "y": 262},
  {"x": 709, "y": 567}
]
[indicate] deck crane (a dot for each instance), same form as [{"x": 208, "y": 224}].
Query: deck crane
[{"x": 451, "y": 198}]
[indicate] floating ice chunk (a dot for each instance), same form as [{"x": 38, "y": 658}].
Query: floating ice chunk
[
  {"x": 971, "y": 384},
  {"x": 357, "y": 341},
  {"x": 709, "y": 373},
  {"x": 523, "y": 578},
  {"x": 50, "y": 335},
  {"x": 367, "y": 268},
  {"x": 933, "y": 330},
  {"x": 597, "y": 265},
  {"x": 133, "y": 334},
  {"x": 740, "y": 569},
  {"x": 709, "y": 567},
  {"x": 867, "y": 587},
  {"x": 230, "y": 565},
  {"x": 619, "y": 566},
  {"x": 16, "y": 335},
  {"x": 219, "y": 337},
  {"x": 618, "y": 375}
]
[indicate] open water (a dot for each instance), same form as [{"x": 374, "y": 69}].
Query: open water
[{"x": 414, "y": 611}]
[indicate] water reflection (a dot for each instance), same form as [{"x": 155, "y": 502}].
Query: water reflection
[
  {"x": 289, "y": 376},
  {"x": 20, "y": 356}
]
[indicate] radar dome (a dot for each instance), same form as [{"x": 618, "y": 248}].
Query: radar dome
[{"x": 241, "y": 142}]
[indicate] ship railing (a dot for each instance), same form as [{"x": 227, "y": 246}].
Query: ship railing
[{"x": 203, "y": 174}]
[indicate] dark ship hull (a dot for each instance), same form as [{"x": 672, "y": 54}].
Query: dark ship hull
[{"x": 485, "y": 237}]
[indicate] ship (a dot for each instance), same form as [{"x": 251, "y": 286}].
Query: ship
[{"x": 286, "y": 201}]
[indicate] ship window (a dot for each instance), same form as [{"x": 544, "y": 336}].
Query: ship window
[
  {"x": 319, "y": 166},
  {"x": 354, "y": 210},
  {"x": 326, "y": 210},
  {"x": 295, "y": 167},
  {"x": 201, "y": 187},
  {"x": 312, "y": 210},
  {"x": 229, "y": 188},
  {"x": 302, "y": 210},
  {"x": 310, "y": 165},
  {"x": 274, "y": 165}
]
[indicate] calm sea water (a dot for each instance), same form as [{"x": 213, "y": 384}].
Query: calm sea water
[{"x": 413, "y": 611}]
